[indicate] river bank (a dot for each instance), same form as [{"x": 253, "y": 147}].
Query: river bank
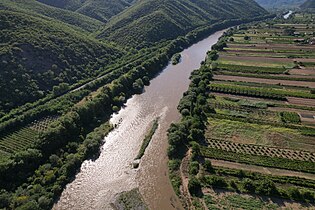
[{"x": 96, "y": 185}]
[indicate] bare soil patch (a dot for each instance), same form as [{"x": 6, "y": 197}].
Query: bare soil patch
[
  {"x": 308, "y": 71},
  {"x": 301, "y": 101},
  {"x": 257, "y": 59},
  {"x": 265, "y": 81},
  {"x": 184, "y": 173},
  {"x": 299, "y": 76},
  {"x": 274, "y": 46},
  {"x": 300, "y": 111}
]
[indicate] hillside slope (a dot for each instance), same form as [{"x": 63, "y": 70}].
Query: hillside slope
[
  {"x": 101, "y": 10},
  {"x": 309, "y": 4},
  {"x": 151, "y": 21},
  {"x": 37, "y": 54},
  {"x": 280, "y": 4},
  {"x": 35, "y": 8}
]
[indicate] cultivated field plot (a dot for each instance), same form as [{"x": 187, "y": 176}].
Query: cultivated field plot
[
  {"x": 267, "y": 135},
  {"x": 18, "y": 140},
  {"x": 260, "y": 129},
  {"x": 265, "y": 81},
  {"x": 304, "y": 71},
  {"x": 24, "y": 137},
  {"x": 260, "y": 150},
  {"x": 42, "y": 124}
]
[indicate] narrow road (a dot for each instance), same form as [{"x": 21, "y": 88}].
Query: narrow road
[{"x": 184, "y": 173}]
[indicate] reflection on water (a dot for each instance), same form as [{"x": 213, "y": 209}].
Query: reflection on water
[{"x": 96, "y": 185}]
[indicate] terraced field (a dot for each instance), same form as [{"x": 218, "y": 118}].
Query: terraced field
[
  {"x": 24, "y": 137},
  {"x": 260, "y": 117},
  {"x": 260, "y": 150}
]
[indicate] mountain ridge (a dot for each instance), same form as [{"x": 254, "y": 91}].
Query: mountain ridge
[
  {"x": 135, "y": 24},
  {"x": 38, "y": 53},
  {"x": 309, "y": 4},
  {"x": 101, "y": 10}
]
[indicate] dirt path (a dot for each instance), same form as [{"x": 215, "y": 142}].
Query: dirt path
[
  {"x": 307, "y": 117},
  {"x": 306, "y": 71},
  {"x": 258, "y": 59},
  {"x": 260, "y": 169},
  {"x": 266, "y": 59},
  {"x": 273, "y": 46},
  {"x": 265, "y": 81},
  {"x": 184, "y": 173},
  {"x": 300, "y": 111},
  {"x": 299, "y": 76},
  {"x": 301, "y": 101}
]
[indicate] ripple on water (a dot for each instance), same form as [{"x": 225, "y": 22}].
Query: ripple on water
[{"x": 99, "y": 181}]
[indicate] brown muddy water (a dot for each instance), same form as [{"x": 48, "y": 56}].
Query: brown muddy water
[{"x": 99, "y": 181}]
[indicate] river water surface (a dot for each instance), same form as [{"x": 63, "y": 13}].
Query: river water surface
[{"x": 99, "y": 181}]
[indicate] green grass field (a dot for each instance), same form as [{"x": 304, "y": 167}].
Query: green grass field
[{"x": 250, "y": 133}]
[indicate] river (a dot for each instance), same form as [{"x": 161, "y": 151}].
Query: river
[{"x": 99, "y": 181}]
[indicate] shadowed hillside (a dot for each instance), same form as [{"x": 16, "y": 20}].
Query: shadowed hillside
[
  {"x": 37, "y": 54},
  {"x": 99, "y": 9},
  {"x": 34, "y": 8},
  {"x": 309, "y": 4},
  {"x": 154, "y": 20}
]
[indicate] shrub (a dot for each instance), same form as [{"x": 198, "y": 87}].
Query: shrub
[
  {"x": 194, "y": 186},
  {"x": 208, "y": 166},
  {"x": 174, "y": 165},
  {"x": 248, "y": 185},
  {"x": 267, "y": 187},
  {"x": 193, "y": 168},
  {"x": 216, "y": 181},
  {"x": 290, "y": 117}
]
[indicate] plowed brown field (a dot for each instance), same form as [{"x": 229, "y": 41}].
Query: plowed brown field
[{"x": 265, "y": 81}]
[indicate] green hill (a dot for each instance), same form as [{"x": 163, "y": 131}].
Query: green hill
[
  {"x": 37, "y": 53},
  {"x": 34, "y": 8},
  {"x": 309, "y": 4},
  {"x": 151, "y": 21},
  {"x": 101, "y": 10},
  {"x": 46, "y": 45}
]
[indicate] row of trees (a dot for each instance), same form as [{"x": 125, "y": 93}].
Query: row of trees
[{"x": 190, "y": 130}]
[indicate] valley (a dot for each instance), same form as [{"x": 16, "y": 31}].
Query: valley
[
  {"x": 67, "y": 70},
  {"x": 95, "y": 111}
]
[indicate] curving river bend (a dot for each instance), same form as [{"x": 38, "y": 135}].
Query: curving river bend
[{"x": 99, "y": 181}]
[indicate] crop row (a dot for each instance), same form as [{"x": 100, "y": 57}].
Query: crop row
[
  {"x": 251, "y": 69},
  {"x": 246, "y": 91},
  {"x": 42, "y": 124},
  {"x": 220, "y": 105},
  {"x": 258, "y": 92},
  {"x": 266, "y": 161},
  {"x": 18, "y": 140},
  {"x": 261, "y": 150},
  {"x": 263, "y": 76}
]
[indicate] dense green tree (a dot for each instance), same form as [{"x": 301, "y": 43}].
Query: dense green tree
[{"x": 194, "y": 186}]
